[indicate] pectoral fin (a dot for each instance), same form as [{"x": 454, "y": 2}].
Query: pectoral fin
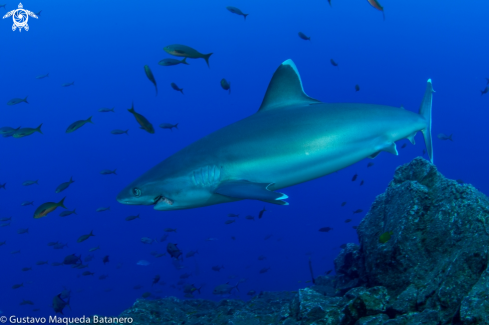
[
  {"x": 241, "y": 189},
  {"x": 391, "y": 148}
]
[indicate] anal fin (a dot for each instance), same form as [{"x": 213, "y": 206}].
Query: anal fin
[
  {"x": 411, "y": 138},
  {"x": 241, "y": 189},
  {"x": 391, "y": 148}
]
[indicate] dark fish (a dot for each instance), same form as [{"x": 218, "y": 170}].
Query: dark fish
[
  {"x": 384, "y": 238},
  {"x": 264, "y": 270},
  {"x": 164, "y": 237},
  {"x": 250, "y": 218},
  {"x": 72, "y": 259},
  {"x": 260, "y": 215},
  {"x": 78, "y": 124},
  {"x": 347, "y": 220},
  {"x": 26, "y": 132},
  {"x": 171, "y": 230},
  {"x": 358, "y": 211},
  {"x": 86, "y": 273},
  {"x": 168, "y": 126},
  {"x": 237, "y": 11},
  {"x": 67, "y": 213},
  {"x": 106, "y": 110},
  {"x": 145, "y": 124},
  {"x": 82, "y": 238},
  {"x": 251, "y": 293},
  {"x": 325, "y": 229},
  {"x": 29, "y": 183},
  {"x": 117, "y": 132},
  {"x": 16, "y": 101},
  {"x": 150, "y": 76},
  {"x": 343, "y": 204},
  {"x": 217, "y": 268},
  {"x": 186, "y": 51},
  {"x": 444, "y": 137},
  {"x": 357, "y": 88},
  {"x": 173, "y": 250},
  {"x": 132, "y": 218},
  {"x": 228, "y": 222},
  {"x": 146, "y": 295},
  {"x": 370, "y": 164},
  {"x": 190, "y": 288},
  {"x": 48, "y": 207},
  {"x": 67, "y": 84},
  {"x": 61, "y": 301},
  {"x": 376, "y": 5},
  {"x": 267, "y": 237},
  {"x": 108, "y": 172},
  {"x": 26, "y": 302},
  {"x": 24, "y": 269},
  {"x": 7, "y": 131},
  {"x": 43, "y": 76},
  {"x": 64, "y": 186},
  {"x": 225, "y": 289},
  {"x": 6, "y": 219},
  {"x": 404, "y": 146},
  {"x": 42, "y": 262},
  {"x": 262, "y": 258},
  {"x": 60, "y": 246},
  {"x": 170, "y": 62},
  {"x": 226, "y": 85},
  {"x": 23, "y": 231},
  {"x": 354, "y": 178},
  {"x": 304, "y": 37},
  {"x": 105, "y": 259},
  {"x": 362, "y": 182},
  {"x": 191, "y": 253},
  {"x": 17, "y": 286},
  {"x": 328, "y": 272},
  {"x": 174, "y": 86},
  {"x": 333, "y": 63},
  {"x": 103, "y": 276},
  {"x": 3, "y": 242},
  {"x": 156, "y": 279},
  {"x": 232, "y": 215}
]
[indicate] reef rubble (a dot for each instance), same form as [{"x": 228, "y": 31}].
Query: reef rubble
[{"x": 432, "y": 270}]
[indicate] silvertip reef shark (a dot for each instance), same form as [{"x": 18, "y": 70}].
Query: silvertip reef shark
[{"x": 292, "y": 139}]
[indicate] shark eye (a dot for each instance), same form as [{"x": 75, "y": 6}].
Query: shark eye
[{"x": 136, "y": 191}]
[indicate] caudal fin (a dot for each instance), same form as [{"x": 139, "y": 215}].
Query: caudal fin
[
  {"x": 244, "y": 15},
  {"x": 62, "y": 203},
  {"x": 206, "y": 58},
  {"x": 184, "y": 61},
  {"x": 25, "y": 100},
  {"x": 425, "y": 112},
  {"x": 38, "y": 129}
]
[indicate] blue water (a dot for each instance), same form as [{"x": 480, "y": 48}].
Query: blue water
[{"x": 103, "y": 45}]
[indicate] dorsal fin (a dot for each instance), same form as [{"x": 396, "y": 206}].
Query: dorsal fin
[{"x": 285, "y": 89}]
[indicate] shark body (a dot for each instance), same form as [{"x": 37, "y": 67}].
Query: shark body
[{"x": 292, "y": 139}]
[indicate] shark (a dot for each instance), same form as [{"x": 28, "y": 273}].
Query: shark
[{"x": 291, "y": 139}]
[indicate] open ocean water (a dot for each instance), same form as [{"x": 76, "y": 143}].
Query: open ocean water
[{"x": 103, "y": 46}]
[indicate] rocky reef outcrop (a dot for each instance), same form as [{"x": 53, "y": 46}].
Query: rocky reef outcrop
[{"x": 422, "y": 259}]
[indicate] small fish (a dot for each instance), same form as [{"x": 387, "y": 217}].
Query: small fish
[
  {"x": 102, "y": 209},
  {"x": 146, "y": 295},
  {"x": 347, "y": 220},
  {"x": 228, "y": 222},
  {"x": 106, "y": 110},
  {"x": 146, "y": 240},
  {"x": 143, "y": 263},
  {"x": 117, "y": 132},
  {"x": 43, "y": 76},
  {"x": 5, "y": 224},
  {"x": 64, "y": 186},
  {"x": 333, "y": 63},
  {"x": 264, "y": 270},
  {"x": 260, "y": 215},
  {"x": 17, "y": 286},
  {"x": 7, "y": 131},
  {"x": 173, "y": 250},
  {"x": 29, "y": 183},
  {"x": 67, "y": 84},
  {"x": 444, "y": 137},
  {"x": 357, "y": 88},
  {"x": 67, "y": 213},
  {"x": 164, "y": 237},
  {"x": 267, "y": 237},
  {"x": 78, "y": 124},
  {"x": 16, "y": 101},
  {"x": 108, "y": 172},
  {"x": 3, "y": 186},
  {"x": 137, "y": 287},
  {"x": 42, "y": 262},
  {"x": 171, "y": 230},
  {"x": 26, "y": 302},
  {"x": 370, "y": 164},
  {"x": 132, "y": 218},
  {"x": 82, "y": 238},
  {"x": 343, "y": 204},
  {"x": 225, "y": 289},
  {"x": 170, "y": 62},
  {"x": 237, "y": 11},
  {"x": 362, "y": 182},
  {"x": 103, "y": 277},
  {"x": 186, "y": 51},
  {"x": 250, "y": 218},
  {"x": 52, "y": 243},
  {"x": 105, "y": 259},
  {"x": 145, "y": 124},
  {"x": 156, "y": 279},
  {"x": 328, "y": 272},
  {"x": 304, "y": 37},
  {"x": 15, "y": 252},
  {"x": 358, "y": 211},
  {"x": 226, "y": 85},
  {"x": 168, "y": 126},
  {"x": 376, "y": 5},
  {"x": 86, "y": 273},
  {"x": 384, "y": 238},
  {"x": 191, "y": 253},
  {"x": 150, "y": 76},
  {"x": 72, "y": 260},
  {"x": 3, "y": 242},
  {"x": 174, "y": 86},
  {"x": 93, "y": 249},
  {"x": 404, "y": 146},
  {"x": 325, "y": 229},
  {"x": 262, "y": 258},
  {"x": 26, "y": 132},
  {"x": 25, "y": 269},
  {"x": 232, "y": 215},
  {"x": 217, "y": 268},
  {"x": 354, "y": 178},
  {"x": 6, "y": 219},
  {"x": 48, "y": 207},
  {"x": 60, "y": 246}
]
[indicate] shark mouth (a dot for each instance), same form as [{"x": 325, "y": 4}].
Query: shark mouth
[{"x": 162, "y": 199}]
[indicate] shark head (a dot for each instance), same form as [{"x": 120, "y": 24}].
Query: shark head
[{"x": 171, "y": 193}]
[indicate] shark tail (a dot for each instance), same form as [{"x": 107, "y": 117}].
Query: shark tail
[
  {"x": 425, "y": 112},
  {"x": 206, "y": 58}
]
